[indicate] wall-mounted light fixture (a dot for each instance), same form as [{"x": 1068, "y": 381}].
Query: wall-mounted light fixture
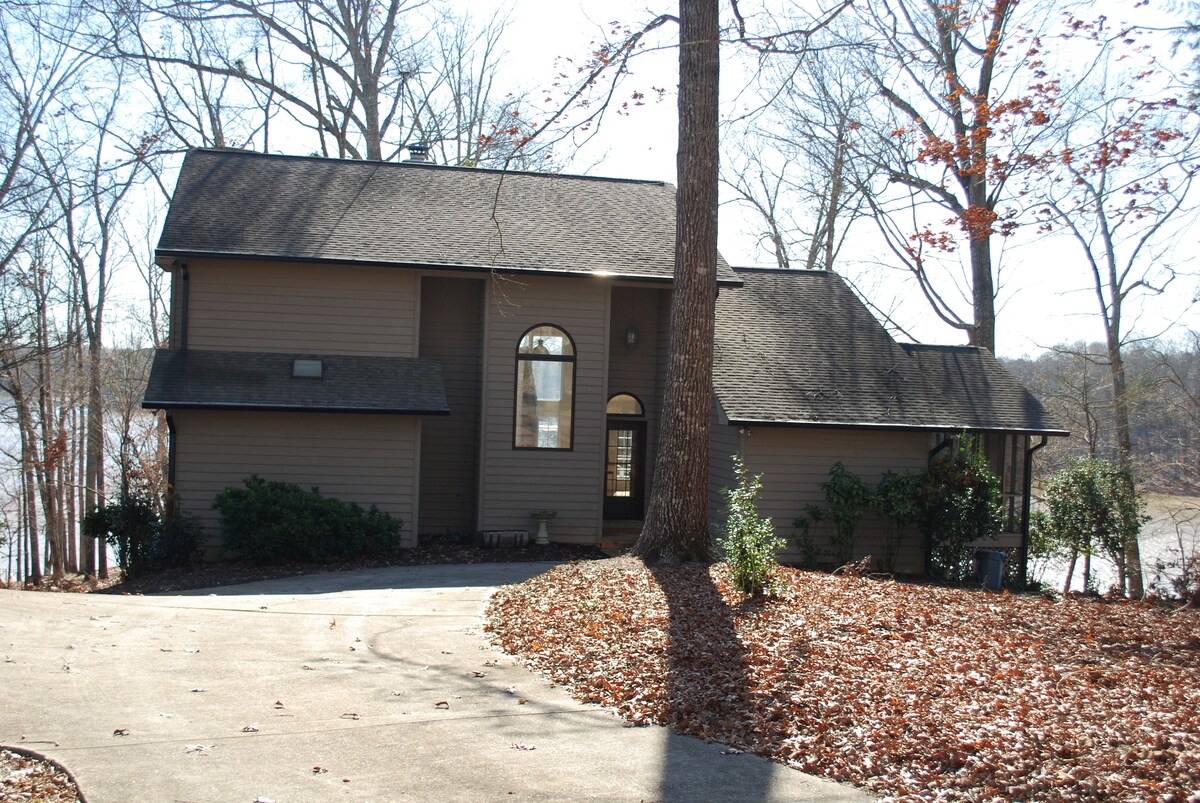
[{"x": 631, "y": 337}]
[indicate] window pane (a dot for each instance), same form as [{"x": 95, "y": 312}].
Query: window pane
[
  {"x": 624, "y": 404},
  {"x": 544, "y": 394},
  {"x": 548, "y": 340}
]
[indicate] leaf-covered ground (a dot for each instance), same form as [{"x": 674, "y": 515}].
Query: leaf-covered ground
[
  {"x": 24, "y": 778},
  {"x": 904, "y": 690}
]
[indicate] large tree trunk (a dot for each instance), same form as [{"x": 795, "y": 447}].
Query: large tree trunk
[
  {"x": 676, "y": 526},
  {"x": 1116, "y": 364},
  {"x": 95, "y": 440}
]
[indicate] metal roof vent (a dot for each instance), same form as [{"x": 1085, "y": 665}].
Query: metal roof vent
[
  {"x": 419, "y": 152},
  {"x": 307, "y": 369}
]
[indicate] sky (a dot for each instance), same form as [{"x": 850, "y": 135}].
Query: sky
[{"x": 1044, "y": 298}]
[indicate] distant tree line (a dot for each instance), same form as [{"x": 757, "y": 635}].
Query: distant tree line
[{"x": 1163, "y": 393}]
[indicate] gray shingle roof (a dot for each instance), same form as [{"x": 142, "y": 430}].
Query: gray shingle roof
[
  {"x": 799, "y": 348},
  {"x": 243, "y": 204},
  {"x": 970, "y": 389},
  {"x": 242, "y": 380}
]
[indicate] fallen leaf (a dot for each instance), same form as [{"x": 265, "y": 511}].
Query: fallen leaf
[
  {"x": 441, "y": 704},
  {"x": 521, "y": 701}
]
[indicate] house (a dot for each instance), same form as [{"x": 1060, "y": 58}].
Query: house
[{"x": 461, "y": 347}]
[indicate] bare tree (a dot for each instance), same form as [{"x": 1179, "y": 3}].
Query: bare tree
[
  {"x": 1128, "y": 165},
  {"x": 799, "y": 170},
  {"x": 363, "y": 78}
]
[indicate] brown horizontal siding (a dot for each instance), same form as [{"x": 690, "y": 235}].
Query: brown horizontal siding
[
  {"x": 516, "y": 481},
  {"x": 637, "y": 371},
  {"x": 794, "y": 463},
  {"x": 369, "y": 460},
  {"x": 320, "y": 309},
  {"x": 452, "y": 334},
  {"x": 723, "y": 445}
]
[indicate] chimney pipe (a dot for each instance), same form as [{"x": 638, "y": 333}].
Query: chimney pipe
[{"x": 418, "y": 152}]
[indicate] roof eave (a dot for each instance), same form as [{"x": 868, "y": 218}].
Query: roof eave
[
  {"x": 165, "y": 256},
  {"x": 148, "y": 404},
  {"x": 892, "y": 426}
]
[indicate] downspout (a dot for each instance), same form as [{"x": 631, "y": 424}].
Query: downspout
[
  {"x": 183, "y": 312},
  {"x": 945, "y": 443},
  {"x": 1026, "y": 501},
  {"x": 170, "y": 466}
]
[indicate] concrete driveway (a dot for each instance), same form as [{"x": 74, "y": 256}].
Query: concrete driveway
[{"x": 370, "y": 686}]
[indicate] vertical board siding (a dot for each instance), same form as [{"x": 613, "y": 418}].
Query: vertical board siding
[
  {"x": 452, "y": 334},
  {"x": 794, "y": 463},
  {"x": 638, "y": 371},
  {"x": 366, "y": 459},
  {"x": 294, "y": 307},
  {"x": 517, "y": 481}
]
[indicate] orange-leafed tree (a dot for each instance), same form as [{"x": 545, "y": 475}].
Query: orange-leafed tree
[{"x": 966, "y": 103}]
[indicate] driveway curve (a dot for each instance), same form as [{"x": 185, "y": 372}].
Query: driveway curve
[{"x": 374, "y": 685}]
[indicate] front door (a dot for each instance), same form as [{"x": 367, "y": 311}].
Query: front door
[{"x": 625, "y": 470}]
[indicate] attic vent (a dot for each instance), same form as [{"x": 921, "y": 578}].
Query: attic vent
[{"x": 308, "y": 369}]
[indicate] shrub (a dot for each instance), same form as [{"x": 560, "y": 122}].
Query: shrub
[
  {"x": 748, "y": 543},
  {"x": 1044, "y": 545},
  {"x": 1094, "y": 504},
  {"x": 144, "y": 540},
  {"x": 803, "y": 524},
  {"x": 959, "y": 502},
  {"x": 896, "y": 501},
  {"x": 267, "y": 521},
  {"x": 847, "y": 497}
]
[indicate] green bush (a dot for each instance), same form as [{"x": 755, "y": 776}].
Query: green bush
[
  {"x": 748, "y": 543},
  {"x": 267, "y": 521},
  {"x": 847, "y": 497},
  {"x": 803, "y": 525},
  {"x": 896, "y": 501},
  {"x": 1093, "y": 505},
  {"x": 959, "y": 502},
  {"x": 144, "y": 540}
]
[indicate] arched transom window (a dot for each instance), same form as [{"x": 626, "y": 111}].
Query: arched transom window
[
  {"x": 625, "y": 404},
  {"x": 545, "y": 402}
]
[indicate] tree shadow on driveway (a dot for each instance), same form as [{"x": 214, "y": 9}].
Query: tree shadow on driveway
[{"x": 708, "y": 689}]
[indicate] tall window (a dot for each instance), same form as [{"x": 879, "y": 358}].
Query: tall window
[{"x": 545, "y": 389}]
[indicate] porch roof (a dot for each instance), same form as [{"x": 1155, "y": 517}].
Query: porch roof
[{"x": 244, "y": 380}]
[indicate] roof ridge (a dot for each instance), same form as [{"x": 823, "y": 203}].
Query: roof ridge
[
  {"x": 945, "y": 346},
  {"x": 422, "y": 166},
  {"x": 788, "y": 271}
]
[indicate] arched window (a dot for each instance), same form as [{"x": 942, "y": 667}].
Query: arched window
[
  {"x": 545, "y": 403},
  {"x": 625, "y": 404}
]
